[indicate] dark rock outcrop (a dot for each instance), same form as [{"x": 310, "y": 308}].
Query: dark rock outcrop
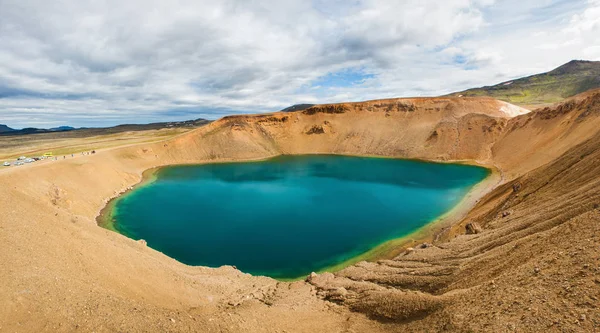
[
  {"x": 473, "y": 228},
  {"x": 316, "y": 129}
]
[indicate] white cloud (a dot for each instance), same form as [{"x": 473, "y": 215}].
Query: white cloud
[{"x": 84, "y": 62}]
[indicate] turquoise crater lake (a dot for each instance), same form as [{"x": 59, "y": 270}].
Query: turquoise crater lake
[{"x": 288, "y": 216}]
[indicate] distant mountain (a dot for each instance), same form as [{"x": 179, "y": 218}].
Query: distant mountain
[
  {"x": 151, "y": 126},
  {"x": 62, "y": 128},
  {"x": 297, "y": 107},
  {"x": 106, "y": 130},
  {"x": 29, "y": 130},
  {"x": 568, "y": 80},
  {"x": 5, "y": 129}
]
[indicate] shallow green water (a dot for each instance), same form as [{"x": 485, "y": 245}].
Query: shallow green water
[{"x": 290, "y": 215}]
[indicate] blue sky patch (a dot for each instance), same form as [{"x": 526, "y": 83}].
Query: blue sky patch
[{"x": 343, "y": 79}]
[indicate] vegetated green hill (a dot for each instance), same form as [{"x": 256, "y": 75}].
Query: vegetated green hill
[{"x": 565, "y": 81}]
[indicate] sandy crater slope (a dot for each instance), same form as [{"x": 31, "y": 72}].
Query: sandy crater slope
[{"x": 532, "y": 266}]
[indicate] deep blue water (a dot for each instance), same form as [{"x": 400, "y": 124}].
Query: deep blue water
[{"x": 291, "y": 215}]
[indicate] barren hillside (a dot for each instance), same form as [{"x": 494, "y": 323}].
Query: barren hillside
[{"x": 531, "y": 266}]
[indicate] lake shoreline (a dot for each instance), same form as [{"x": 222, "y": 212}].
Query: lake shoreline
[
  {"x": 105, "y": 217},
  {"x": 429, "y": 232},
  {"x": 386, "y": 250}
]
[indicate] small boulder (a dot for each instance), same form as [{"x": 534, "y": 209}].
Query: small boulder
[
  {"x": 516, "y": 187},
  {"x": 473, "y": 228},
  {"x": 339, "y": 292},
  {"x": 311, "y": 277},
  {"x": 143, "y": 242},
  {"x": 409, "y": 251}
]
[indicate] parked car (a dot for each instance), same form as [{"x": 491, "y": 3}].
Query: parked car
[
  {"x": 6, "y": 164},
  {"x": 21, "y": 158}
]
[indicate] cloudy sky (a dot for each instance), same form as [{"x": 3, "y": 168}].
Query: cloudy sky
[{"x": 98, "y": 63}]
